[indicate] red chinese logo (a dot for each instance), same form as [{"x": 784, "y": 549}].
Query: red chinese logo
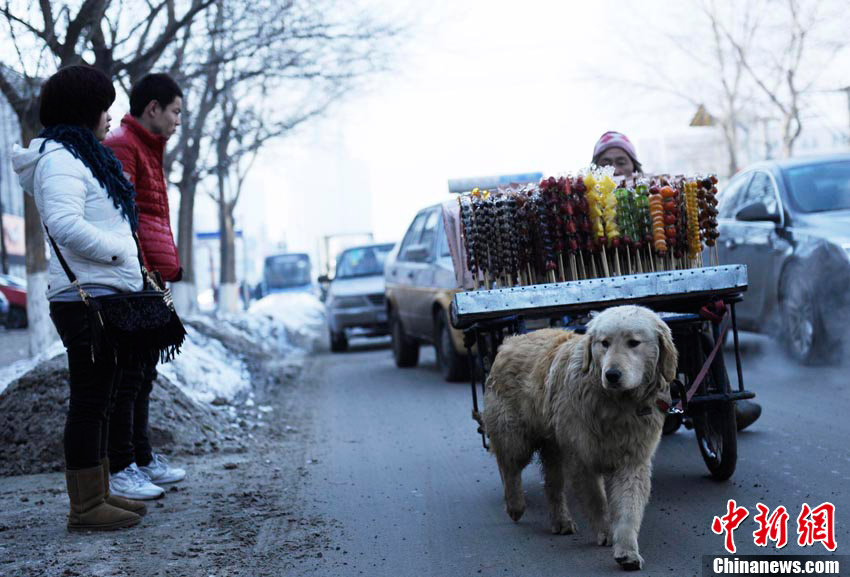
[
  {"x": 817, "y": 525},
  {"x": 729, "y": 522},
  {"x": 772, "y": 527}
]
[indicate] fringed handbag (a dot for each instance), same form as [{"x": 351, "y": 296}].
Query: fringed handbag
[{"x": 141, "y": 325}]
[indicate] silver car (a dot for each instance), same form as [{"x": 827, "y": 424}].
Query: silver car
[
  {"x": 355, "y": 300},
  {"x": 789, "y": 222}
]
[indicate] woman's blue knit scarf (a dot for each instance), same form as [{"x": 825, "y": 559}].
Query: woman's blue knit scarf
[{"x": 82, "y": 143}]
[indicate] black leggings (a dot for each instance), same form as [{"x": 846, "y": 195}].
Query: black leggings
[
  {"x": 128, "y": 420},
  {"x": 92, "y": 383}
]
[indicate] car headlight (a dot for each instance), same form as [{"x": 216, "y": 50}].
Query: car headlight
[{"x": 347, "y": 302}]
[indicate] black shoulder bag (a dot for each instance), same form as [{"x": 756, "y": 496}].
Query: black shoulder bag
[{"x": 140, "y": 325}]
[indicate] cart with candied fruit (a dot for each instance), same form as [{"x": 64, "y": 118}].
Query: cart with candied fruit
[{"x": 550, "y": 254}]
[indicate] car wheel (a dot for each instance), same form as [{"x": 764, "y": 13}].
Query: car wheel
[
  {"x": 802, "y": 331},
  {"x": 405, "y": 349},
  {"x": 17, "y": 318},
  {"x": 453, "y": 366},
  {"x": 339, "y": 342}
]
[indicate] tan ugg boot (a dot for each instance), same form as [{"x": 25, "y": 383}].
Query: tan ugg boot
[
  {"x": 136, "y": 507},
  {"x": 89, "y": 511}
]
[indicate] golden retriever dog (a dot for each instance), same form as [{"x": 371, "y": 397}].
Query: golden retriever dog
[{"x": 588, "y": 405}]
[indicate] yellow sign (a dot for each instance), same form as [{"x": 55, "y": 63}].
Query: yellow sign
[{"x": 702, "y": 117}]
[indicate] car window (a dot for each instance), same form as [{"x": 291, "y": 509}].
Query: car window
[
  {"x": 728, "y": 200},
  {"x": 412, "y": 235},
  {"x": 820, "y": 187},
  {"x": 287, "y": 270},
  {"x": 362, "y": 261},
  {"x": 429, "y": 231},
  {"x": 761, "y": 189},
  {"x": 442, "y": 241}
]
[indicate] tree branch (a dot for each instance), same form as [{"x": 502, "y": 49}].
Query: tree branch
[
  {"x": 47, "y": 37},
  {"x": 144, "y": 60},
  {"x": 89, "y": 15}
]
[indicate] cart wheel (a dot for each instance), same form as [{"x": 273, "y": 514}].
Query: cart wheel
[
  {"x": 672, "y": 424},
  {"x": 714, "y": 424}
]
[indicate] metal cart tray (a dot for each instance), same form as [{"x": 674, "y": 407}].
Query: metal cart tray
[{"x": 671, "y": 290}]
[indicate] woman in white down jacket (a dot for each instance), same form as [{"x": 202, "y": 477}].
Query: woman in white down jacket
[{"x": 88, "y": 208}]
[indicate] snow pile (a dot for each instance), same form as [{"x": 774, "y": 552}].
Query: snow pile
[
  {"x": 210, "y": 366},
  {"x": 16, "y": 370},
  {"x": 206, "y": 370},
  {"x": 245, "y": 332},
  {"x": 301, "y": 314}
]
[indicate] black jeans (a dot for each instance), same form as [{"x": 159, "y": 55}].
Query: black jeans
[
  {"x": 128, "y": 431},
  {"x": 92, "y": 383}
]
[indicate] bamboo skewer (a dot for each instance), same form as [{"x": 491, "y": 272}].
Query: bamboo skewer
[{"x": 605, "y": 261}]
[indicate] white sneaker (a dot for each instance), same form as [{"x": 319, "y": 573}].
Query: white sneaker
[
  {"x": 159, "y": 471},
  {"x": 133, "y": 484}
]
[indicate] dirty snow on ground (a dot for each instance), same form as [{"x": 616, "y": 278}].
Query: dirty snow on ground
[
  {"x": 17, "y": 369},
  {"x": 243, "y": 330},
  {"x": 302, "y": 314},
  {"x": 205, "y": 370}
]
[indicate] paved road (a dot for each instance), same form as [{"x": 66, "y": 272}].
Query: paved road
[{"x": 400, "y": 471}]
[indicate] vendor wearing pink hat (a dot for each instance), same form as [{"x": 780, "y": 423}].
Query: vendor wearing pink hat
[{"x": 615, "y": 149}]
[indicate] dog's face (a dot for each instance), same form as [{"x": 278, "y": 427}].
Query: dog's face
[{"x": 630, "y": 347}]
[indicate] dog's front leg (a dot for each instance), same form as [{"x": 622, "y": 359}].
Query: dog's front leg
[
  {"x": 628, "y": 493},
  {"x": 561, "y": 522},
  {"x": 590, "y": 490}
]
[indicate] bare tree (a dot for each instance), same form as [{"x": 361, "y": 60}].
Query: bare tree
[
  {"x": 701, "y": 68},
  {"x": 49, "y": 35},
  {"x": 283, "y": 65},
  {"x": 730, "y": 76},
  {"x": 747, "y": 62},
  {"x": 790, "y": 60},
  {"x": 305, "y": 54}
]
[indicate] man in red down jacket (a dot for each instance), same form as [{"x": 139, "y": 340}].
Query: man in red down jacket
[{"x": 156, "y": 102}]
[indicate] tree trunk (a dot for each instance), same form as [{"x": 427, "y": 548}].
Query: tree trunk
[
  {"x": 228, "y": 289},
  {"x": 40, "y": 327},
  {"x": 730, "y": 136},
  {"x": 185, "y": 292}
]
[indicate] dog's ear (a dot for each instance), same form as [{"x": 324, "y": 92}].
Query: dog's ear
[
  {"x": 668, "y": 356},
  {"x": 587, "y": 353}
]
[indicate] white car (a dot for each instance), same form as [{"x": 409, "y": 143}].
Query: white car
[{"x": 355, "y": 300}]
